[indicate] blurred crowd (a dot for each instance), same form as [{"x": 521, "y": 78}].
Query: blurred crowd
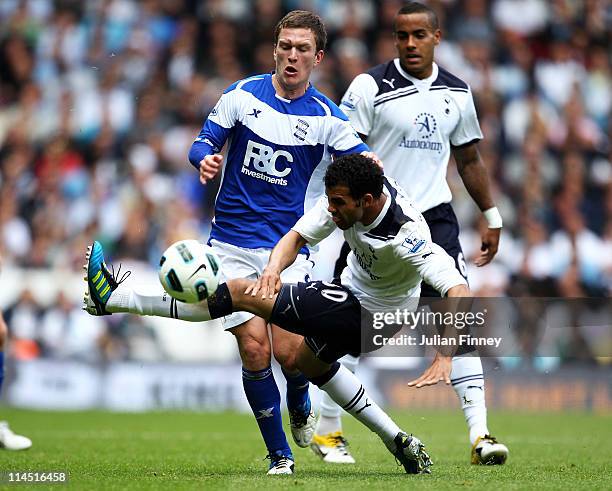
[{"x": 101, "y": 100}]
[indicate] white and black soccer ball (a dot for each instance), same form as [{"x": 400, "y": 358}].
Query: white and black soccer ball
[{"x": 189, "y": 271}]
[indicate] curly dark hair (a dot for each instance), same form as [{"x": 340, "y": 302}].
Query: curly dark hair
[
  {"x": 359, "y": 173},
  {"x": 306, "y": 20}
]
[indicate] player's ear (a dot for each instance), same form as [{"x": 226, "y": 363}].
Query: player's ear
[
  {"x": 367, "y": 200},
  {"x": 437, "y": 37},
  {"x": 319, "y": 57}
]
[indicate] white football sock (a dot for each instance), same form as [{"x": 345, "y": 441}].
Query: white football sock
[
  {"x": 330, "y": 418},
  {"x": 153, "y": 300},
  {"x": 468, "y": 381},
  {"x": 346, "y": 390}
]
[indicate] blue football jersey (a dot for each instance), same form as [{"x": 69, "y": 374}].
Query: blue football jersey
[{"x": 278, "y": 151}]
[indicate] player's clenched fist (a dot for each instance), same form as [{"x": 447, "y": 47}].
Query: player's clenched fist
[{"x": 210, "y": 167}]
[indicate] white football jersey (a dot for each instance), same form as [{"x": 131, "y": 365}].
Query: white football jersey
[
  {"x": 388, "y": 257},
  {"x": 411, "y": 125}
]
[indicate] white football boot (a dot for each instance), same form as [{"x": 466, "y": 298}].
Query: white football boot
[
  {"x": 332, "y": 448},
  {"x": 280, "y": 465},
  {"x": 302, "y": 427},
  {"x": 488, "y": 451},
  {"x": 11, "y": 441}
]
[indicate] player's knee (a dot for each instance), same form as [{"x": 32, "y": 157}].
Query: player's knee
[
  {"x": 287, "y": 360},
  {"x": 254, "y": 351},
  {"x": 285, "y": 347},
  {"x": 255, "y": 355}
]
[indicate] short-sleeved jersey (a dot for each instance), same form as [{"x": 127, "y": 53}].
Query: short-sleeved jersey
[
  {"x": 388, "y": 257},
  {"x": 411, "y": 125},
  {"x": 278, "y": 151}
]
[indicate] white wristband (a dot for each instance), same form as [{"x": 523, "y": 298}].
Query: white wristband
[{"x": 493, "y": 217}]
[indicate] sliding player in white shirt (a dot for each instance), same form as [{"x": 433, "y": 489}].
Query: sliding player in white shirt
[
  {"x": 391, "y": 253},
  {"x": 414, "y": 114}
]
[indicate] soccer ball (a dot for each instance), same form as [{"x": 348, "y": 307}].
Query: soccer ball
[{"x": 189, "y": 271}]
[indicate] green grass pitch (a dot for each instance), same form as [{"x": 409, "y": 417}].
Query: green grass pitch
[{"x": 176, "y": 450}]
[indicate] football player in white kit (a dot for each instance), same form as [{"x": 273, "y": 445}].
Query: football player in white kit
[
  {"x": 391, "y": 253},
  {"x": 413, "y": 114}
]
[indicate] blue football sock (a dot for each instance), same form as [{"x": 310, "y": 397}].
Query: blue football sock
[
  {"x": 297, "y": 392},
  {"x": 264, "y": 399}
]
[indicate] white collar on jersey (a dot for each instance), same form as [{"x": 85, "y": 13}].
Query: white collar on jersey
[
  {"x": 425, "y": 82},
  {"x": 280, "y": 97},
  {"x": 381, "y": 215}
]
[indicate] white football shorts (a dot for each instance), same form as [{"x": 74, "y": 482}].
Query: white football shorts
[{"x": 239, "y": 262}]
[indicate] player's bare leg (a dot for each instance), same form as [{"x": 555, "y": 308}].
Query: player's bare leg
[{"x": 253, "y": 343}]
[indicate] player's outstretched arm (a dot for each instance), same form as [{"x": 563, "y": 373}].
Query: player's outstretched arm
[
  {"x": 438, "y": 371},
  {"x": 440, "y": 368},
  {"x": 476, "y": 179},
  {"x": 489, "y": 246},
  {"x": 283, "y": 254}
]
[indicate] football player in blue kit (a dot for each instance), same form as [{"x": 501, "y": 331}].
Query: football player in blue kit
[{"x": 281, "y": 134}]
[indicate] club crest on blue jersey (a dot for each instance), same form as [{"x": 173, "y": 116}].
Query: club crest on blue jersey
[{"x": 301, "y": 130}]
